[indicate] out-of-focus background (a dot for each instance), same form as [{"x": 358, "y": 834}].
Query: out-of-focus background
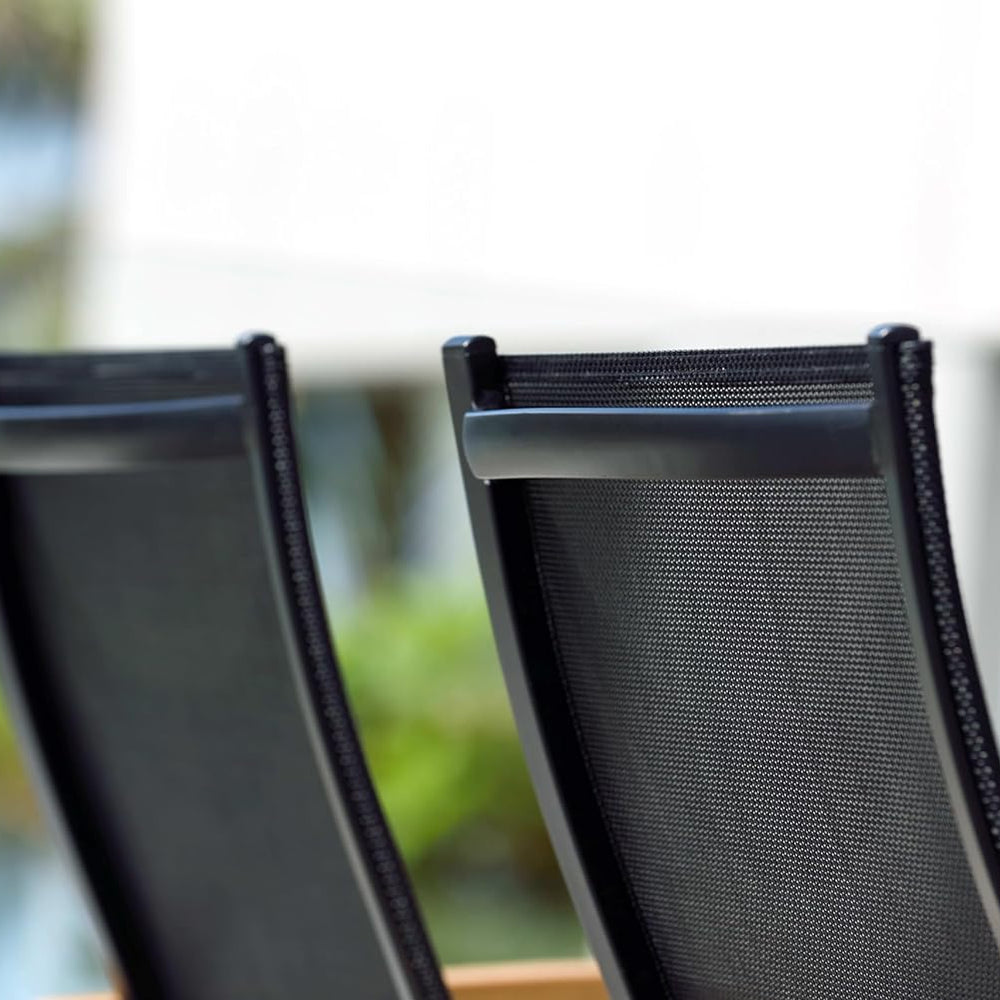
[{"x": 367, "y": 179}]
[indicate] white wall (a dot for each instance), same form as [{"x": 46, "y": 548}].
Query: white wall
[
  {"x": 368, "y": 178},
  {"x": 647, "y": 170}
]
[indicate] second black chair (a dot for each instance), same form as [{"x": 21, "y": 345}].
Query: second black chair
[{"x": 167, "y": 650}]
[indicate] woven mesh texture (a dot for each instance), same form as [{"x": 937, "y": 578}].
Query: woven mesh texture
[{"x": 737, "y": 660}]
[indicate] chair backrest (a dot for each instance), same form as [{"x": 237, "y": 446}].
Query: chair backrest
[
  {"x": 169, "y": 662},
  {"x": 722, "y": 590}
]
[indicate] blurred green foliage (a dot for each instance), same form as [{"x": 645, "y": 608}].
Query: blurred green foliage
[
  {"x": 33, "y": 284},
  {"x": 42, "y": 53},
  {"x": 18, "y": 811},
  {"x": 423, "y": 678},
  {"x": 42, "y": 49}
]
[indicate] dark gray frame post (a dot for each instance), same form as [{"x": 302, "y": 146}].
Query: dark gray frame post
[
  {"x": 940, "y": 679},
  {"x": 559, "y": 773},
  {"x": 378, "y": 869}
]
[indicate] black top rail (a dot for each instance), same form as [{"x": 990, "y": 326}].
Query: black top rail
[
  {"x": 106, "y": 436},
  {"x": 670, "y": 443}
]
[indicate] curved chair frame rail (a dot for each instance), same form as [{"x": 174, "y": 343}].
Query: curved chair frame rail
[
  {"x": 893, "y": 438},
  {"x": 379, "y": 868},
  {"x": 257, "y": 424}
]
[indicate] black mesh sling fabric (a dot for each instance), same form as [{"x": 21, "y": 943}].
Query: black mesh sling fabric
[
  {"x": 737, "y": 663},
  {"x": 228, "y": 834}
]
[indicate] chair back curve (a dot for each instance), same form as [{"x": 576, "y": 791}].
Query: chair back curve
[
  {"x": 723, "y": 594},
  {"x": 167, "y": 657}
]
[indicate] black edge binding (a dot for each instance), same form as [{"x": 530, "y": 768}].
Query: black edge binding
[
  {"x": 906, "y": 444},
  {"x": 562, "y": 783},
  {"x": 670, "y": 443},
  {"x": 108, "y": 436},
  {"x": 378, "y": 868}
]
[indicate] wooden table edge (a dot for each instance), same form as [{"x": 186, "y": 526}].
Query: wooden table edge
[{"x": 564, "y": 979}]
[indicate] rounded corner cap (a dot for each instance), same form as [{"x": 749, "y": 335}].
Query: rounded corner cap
[
  {"x": 893, "y": 333},
  {"x": 256, "y": 340},
  {"x": 469, "y": 345}
]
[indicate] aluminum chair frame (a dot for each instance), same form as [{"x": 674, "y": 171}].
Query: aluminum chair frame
[{"x": 498, "y": 445}]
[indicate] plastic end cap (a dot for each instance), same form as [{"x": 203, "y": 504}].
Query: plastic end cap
[{"x": 893, "y": 333}]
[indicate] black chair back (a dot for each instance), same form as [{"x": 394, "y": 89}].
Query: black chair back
[
  {"x": 168, "y": 656},
  {"x": 723, "y": 593}
]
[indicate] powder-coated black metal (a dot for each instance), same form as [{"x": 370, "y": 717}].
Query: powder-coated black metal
[
  {"x": 166, "y": 652},
  {"x": 748, "y": 704},
  {"x": 106, "y": 436},
  {"x": 956, "y": 708},
  {"x": 617, "y": 442}
]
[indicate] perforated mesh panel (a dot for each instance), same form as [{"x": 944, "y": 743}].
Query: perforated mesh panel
[{"x": 737, "y": 660}]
